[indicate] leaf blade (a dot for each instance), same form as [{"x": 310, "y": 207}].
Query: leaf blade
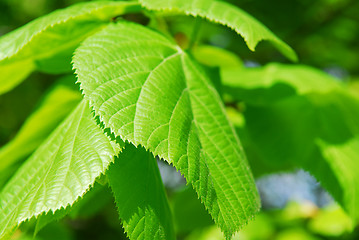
[
  {"x": 47, "y": 37},
  {"x": 56, "y": 105},
  {"x": 59, "y": 172},
  {"x": 149, "y": 92},
  {"x": 140, "y": 196},
  {"x": 313, "y": 126},
  {"x": 226, "y": 14}
]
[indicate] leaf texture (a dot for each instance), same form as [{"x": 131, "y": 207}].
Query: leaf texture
[
  {"x": 300, "y": 117},
  {"x": 55, "y": 107},
  {"x": 140, "y": 195},
  {"x": 95, "y": 199},
  {"x": 47, "y": 37},
  {"x": 226, "y": 14},
  {"x": 151, "y": 93},
  {"x": 61, "y": 170}
]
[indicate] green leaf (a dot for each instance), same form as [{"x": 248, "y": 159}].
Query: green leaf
[
  {"x": 61, "y": 170},
  {"x": 55, "y": 106},
  {"x": 45, "y": 219},
  {"x": 188, "y": 212},
  {"x": 93, "y": 202},
  {"x": 312, "y": 125},
  {"x": 140, "y": 195},
  {"x": 283, "y": 80},
  {"x": 216, "y": 57},
  {"x": 343, "y": 160},
  {"x": 50, "y": 40},
  {"x": 151, "y": 93},
  {"x": 226, "y": 14},
  {"x": 296, "y": 233},
  {"x": 86, "y": 207}
]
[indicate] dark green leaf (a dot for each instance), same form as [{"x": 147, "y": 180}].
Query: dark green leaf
[{"x": 140, "y": 195}]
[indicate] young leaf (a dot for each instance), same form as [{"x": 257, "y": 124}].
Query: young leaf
[
  {"x": 59, "y": 172},
  {"x": 56, "y": 105},
  {"x": 46, "y": 38},
  {"x": 312, "y": 126},
  {"x": 140, "y": 196},
  {"x": 226, "y": 14},
  {"x": 151, "y": 93}
]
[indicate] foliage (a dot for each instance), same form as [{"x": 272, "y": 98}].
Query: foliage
[{"x": 153, "y": 89}]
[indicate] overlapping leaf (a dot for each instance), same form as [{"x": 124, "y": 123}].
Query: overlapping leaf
[
  {"x": 61, "y": 170},
  {"x": 299, "y": 116},
  {"x": 193, "y": 215},
  {"x": 226, "y": 14},
  {"x": 55, "y": 107},
  {"x": 48, "y": 42},
  {"x": 87, "y": 206},
  {"x": 151, "y": 93},
  {"x": 140, "y": 195}
]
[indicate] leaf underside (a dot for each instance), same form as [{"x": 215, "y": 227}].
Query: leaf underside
[
  {"x": 140, "y": 195},
  {"x": 226, "y": 14},
  {"x": 53, "y": 37},
  {"x": 61, "y": 170},
  {"x": 151, "y": 93}
]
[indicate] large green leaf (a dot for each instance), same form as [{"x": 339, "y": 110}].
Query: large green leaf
[
  {"x": 55, "y": 106},
  {"x": 226, "y": 14},
  {"x": 140, "y": 195},
  {"x": 61, "y": 170},
  {"x": 151, "y": 93},
  {"x": 298, "y": 116},
  {"x": 48, "y": 42}
]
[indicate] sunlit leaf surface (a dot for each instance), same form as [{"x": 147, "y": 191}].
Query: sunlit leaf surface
[
  {"x": 48, "y": 42},
  {"x": 151, "y": 93},
  {"x": 61, "y": 170}
]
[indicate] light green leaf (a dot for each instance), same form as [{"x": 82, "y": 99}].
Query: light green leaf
[
  {"x": 86, "y": 207},
  {"x": 46, "y": 39},
  {"x": 343, "y": 158},
  {"x": 296, "y": 116},
  {"x": 93, "y": 202},
  {"x": 283, "y": 80},
  {"x": 151, "y": 93},
  {"x": 11, "y": 76},
  {"x": 216, "y": 57},
  {"x": 56, "y": 105},
  {"x": 140, "y": 195},
  {"x": 61, "y": 170},
  {"x": 226, "y": 14}
]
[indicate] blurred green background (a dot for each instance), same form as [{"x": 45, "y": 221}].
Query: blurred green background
[{"x": 325, "y": 35}]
